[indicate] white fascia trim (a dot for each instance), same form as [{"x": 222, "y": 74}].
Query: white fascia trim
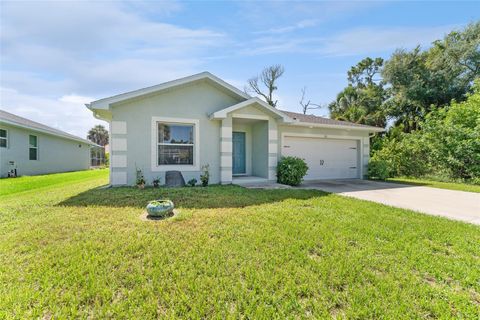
[
  {"x": 196, "y": 145},
  {"x": 249, "y": 116},
  {"x": 78, "y": 139},
  {"x": 105, "y": 103},
  {"x": 222, "y": 114},
  {"x": 334, "y": 126}
]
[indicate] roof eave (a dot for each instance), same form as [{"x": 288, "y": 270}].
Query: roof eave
[
  {"x": 78, "y": 139},
  {"x": 222, "y": 114},
  {"x": 104, "y": 104},
  {"x": 336, "y": 126}
]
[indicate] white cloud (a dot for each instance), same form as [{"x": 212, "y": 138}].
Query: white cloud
[
  {"x": 367, "y": 40},
  {"x": 358, "y": 41},
  {"x": 91, "y": 47},
  {"x": 67, "y": 113},
  {"x": 307, "y": 23}
]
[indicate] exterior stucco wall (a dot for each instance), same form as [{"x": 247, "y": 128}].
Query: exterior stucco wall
[
  {"x": 362, "y": 137},
  {"x": 260, "y": 149},
  {"x": 131, "y": 143},
  {"x": 55, "y": 154}
]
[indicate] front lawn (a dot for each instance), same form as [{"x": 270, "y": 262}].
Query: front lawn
[
  {"x": 72, "y": 250},
  {"x": 437, "y": 184}
]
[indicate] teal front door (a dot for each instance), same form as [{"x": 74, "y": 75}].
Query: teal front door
[{"x": 238, "y": 140}]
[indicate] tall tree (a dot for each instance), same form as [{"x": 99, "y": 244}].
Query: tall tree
[
  {"x": 424, "y": 81},
  {"x": 307, "y": 104},
  {"x": 362, "y": 100},
  {"x": 268, "y": 78},
  {"x": 99, "y": 135}
]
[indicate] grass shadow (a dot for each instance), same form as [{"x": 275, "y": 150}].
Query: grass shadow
[{"x": 216, "y": 196}]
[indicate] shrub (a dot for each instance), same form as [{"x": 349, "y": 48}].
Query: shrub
[
  {"x": 378, "y": 169},
  {"x": 205, "y": 176},
  {"x": 192, "y": 182},
  {"x": 291, "y": 170}
]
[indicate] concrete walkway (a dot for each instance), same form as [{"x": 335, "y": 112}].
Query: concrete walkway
[{"x": 458, "y": 205}]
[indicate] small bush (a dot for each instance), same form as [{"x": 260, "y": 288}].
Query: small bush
[
  {"x": 205, "y": 176},
  {"x": 378, "y": 169},
  {"x": 192, "y": 182},
  {"x": 291, "y": 170}
]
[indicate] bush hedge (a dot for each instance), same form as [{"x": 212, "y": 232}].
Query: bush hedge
[{"x": 291, "y": 170}]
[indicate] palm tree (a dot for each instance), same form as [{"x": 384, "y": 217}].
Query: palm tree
[{"x": 99, "y": 135}]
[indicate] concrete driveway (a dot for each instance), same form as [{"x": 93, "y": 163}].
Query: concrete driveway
[{"x": 458, "y": 205}]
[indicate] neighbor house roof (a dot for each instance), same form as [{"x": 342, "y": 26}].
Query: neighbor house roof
[
  {"x": 326, "y": 122},
  {"x": 17, "y": 121}
]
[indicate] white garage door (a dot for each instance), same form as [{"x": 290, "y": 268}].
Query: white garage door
[{"x": 326, "y": 158}]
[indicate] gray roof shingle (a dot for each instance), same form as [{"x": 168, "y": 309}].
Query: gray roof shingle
[
  {"x": 321, "y": 120},
  {"x": 24, "y": 122}
]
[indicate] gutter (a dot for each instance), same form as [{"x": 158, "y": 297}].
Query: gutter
[{"x": 334, "y": 126}]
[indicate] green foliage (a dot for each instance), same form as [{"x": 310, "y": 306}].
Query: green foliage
[
  {"x": 205, "y": 176},
  {"x": 411, "y": 83},
  {"x": 362, "y": 100},
  {"x": 140, "y": 179},
  {"x": 447, "y": 142},
  {"x": 192, "y": 182},
  {"x": 291, "y": 170},
  {"x": 378, "y": 169},
  {"x": 99, "y": 135}
]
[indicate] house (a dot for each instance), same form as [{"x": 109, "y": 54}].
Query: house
[
  {"x": 198, "y": 120},
  {"x": 31, "y": 148}
]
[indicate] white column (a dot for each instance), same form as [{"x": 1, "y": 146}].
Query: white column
[
  {"x": 226, "y": 151},
  {"x": 272, "y": 149}
]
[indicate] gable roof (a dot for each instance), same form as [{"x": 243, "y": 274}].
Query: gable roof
[
  {"x": 17, "y": 121},
  {"x": 203, "y": 76},
  {"x": 327, "y": 122},
  {"x": 222, "y": 114}
]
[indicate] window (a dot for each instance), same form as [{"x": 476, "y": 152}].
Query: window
[
  {"x": 33, "y": 147},
  {"x": 3, "y": 138},
  {"x": 175, "y": 144}
]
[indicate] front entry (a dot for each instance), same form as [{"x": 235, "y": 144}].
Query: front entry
[{"x": 238, "y": 153}]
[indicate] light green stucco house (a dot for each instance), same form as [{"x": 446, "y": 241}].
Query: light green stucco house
[
  {"x": 32, "y": 148},
  {"x": 199, "y": 120}
]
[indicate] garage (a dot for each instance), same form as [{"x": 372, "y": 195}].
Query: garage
[{"x": 326, "y": 158}]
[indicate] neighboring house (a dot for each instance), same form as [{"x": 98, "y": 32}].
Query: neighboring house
[
  {"x": 33, "y": 148},
  {"x": 198, "y": 120}
]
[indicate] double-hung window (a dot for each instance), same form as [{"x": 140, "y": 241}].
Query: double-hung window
[
  {"x": 175, "y": 144},
  {"x": 33, "y": 147},
  {"x": 3, "y": 138}
]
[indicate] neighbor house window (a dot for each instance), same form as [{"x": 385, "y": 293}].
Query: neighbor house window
[
  {"x": 175, "y": 144},
  {"x": 33, "y": 147},
  {"x": 3, "y": 138}
]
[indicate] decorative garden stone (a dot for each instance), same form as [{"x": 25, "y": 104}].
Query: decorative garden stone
[
  {"x": 174, "y": 179},
  {"x": 160, "y": 208}
]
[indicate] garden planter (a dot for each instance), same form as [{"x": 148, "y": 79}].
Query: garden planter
[{"x": 160, "y": 208}]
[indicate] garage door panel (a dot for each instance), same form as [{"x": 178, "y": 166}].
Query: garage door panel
[{"x": 326, "y": 158}]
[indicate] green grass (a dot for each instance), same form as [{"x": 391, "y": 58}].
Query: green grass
[
  {"x": 72, "y": 250},
  {"x": 26, "y": 183},
  {"x": 438, "y": 184}
]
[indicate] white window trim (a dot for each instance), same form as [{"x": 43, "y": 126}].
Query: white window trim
[
  {"x": 30, "y": 147},
  {"x": 196, "y": 144},
  {"x": 6, "y": 138}
]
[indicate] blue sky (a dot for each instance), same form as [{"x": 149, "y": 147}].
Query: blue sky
[{"x": 56, "y": 56}]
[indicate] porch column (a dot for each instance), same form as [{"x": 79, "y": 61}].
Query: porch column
[
  {"x": 226, "y": 151},
  {"x": 272, "y": 149}
]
